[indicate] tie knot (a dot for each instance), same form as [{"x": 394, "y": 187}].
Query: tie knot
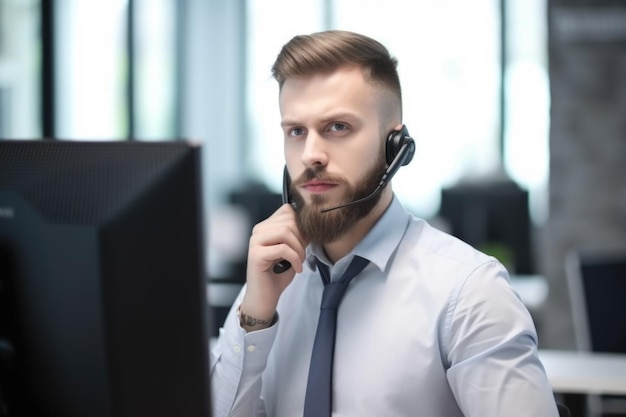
[{"x": 334, "y": 291}]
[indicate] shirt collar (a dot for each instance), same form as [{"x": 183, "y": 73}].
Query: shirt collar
[{"x": 378, "y": 244}]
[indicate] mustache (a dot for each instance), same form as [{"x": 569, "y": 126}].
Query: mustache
[{"x": 319, "y": 174}]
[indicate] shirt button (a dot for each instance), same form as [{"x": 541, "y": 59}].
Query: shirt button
[
  {"x": 237, "y": 348},
  {"x": 251, "y": 348}
]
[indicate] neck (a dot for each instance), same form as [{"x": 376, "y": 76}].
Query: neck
[{"x": 341, "y": 247}]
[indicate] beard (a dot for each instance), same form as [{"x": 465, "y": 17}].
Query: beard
[{"x": 322, "y": 228}]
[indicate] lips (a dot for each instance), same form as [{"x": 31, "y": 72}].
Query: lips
[{"x": 317, "y": 186}]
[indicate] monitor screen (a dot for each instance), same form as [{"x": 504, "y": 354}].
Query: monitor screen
[
  {"x": 493, "y": 217},
  {"x": 604, "y": 285},
  {"x": 103, "y": 304}
]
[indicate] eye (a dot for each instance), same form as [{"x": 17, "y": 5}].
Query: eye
[
  {"x": 338, "y": 127},
  {"x": 296, "y": 131}
]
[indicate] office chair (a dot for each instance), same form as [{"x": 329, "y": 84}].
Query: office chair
[
  {"x": 596, "y": 281},
  {"x": 563, "y": 410}
]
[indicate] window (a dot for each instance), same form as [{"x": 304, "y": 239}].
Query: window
[
  {"x": 155, "y": 69},
  {"x": 19, "y": 70},
  {"x": 526, "y": 151},
  {"x": 95, "y": 89},
  {"x": 90, "y": 59}
]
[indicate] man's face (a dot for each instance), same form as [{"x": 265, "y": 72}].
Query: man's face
[{"x": 333, "y": 148}]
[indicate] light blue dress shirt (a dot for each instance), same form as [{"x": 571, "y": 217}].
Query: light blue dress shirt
[{"x": 430, "y": 328}]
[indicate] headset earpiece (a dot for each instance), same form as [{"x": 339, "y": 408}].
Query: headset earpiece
[
  {"x": 400, "y": 148},
  {"x": 396, "y": 142}
]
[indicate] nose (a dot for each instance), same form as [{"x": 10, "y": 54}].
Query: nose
[{"x": 314, "y": 152}]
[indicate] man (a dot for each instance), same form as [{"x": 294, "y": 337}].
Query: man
[{"x": 429, "y": 327}]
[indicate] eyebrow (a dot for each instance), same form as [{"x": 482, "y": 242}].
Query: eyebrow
[
  {"x": 341, "y": 116},
  {"x": 326, "y": 119},
  {"x": 284, "y": 123}
]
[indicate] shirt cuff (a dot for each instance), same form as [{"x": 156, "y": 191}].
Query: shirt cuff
[{"x": 250, "y": 349}]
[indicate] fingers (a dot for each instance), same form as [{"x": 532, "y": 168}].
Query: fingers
[
  {"x": 275, "y": 239},
  {"x": 285, "y": 216}
]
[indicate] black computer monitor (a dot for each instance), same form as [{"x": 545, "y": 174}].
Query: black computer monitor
[
  {"x": 597, "y": 284},
  {"x": 494, "y": 217},
  {"x": 103, "y": 304}
]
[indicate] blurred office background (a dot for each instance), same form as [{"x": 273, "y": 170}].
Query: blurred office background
[{"x": 529, "y": 95}]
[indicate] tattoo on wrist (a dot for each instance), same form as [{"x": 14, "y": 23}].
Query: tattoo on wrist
[{"x": 252, "y": 322}]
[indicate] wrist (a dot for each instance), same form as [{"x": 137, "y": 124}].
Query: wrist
[{"x": 251, "y": 322}]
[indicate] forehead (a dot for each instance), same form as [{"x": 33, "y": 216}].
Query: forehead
[{"x": 342, "y": 90}]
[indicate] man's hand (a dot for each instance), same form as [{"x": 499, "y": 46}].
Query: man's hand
[{"x": 272, "y": 240}]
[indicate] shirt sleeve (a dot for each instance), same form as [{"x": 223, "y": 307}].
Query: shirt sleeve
[
  {"x": 491, "y": 350},
  {"x": 237, "y": 362}
]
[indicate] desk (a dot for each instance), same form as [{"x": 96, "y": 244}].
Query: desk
[{"x": 573, "y": 372}]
